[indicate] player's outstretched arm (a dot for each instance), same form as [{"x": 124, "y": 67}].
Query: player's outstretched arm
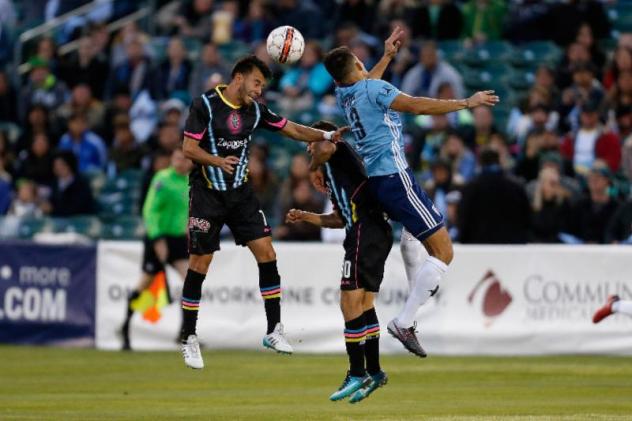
[
  {"x": 327, "y": 220},
  {"x": 192, "y": 150},
  {"x": 391, "y": 47},
  {"x": 421, "y": 105},
  {"x": 320, "y": 152},
  {"x": 307, "y": 134}
]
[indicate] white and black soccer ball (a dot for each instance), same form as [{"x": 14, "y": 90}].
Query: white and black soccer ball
[{"x": 285, "y": 44}]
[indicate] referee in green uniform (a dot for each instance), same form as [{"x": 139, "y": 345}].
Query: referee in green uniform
[{"x": 165, "y": 215}]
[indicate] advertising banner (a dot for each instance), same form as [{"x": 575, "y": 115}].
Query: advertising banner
[
  {"x": 499, "y": 300},
  {"x": 47, "y": 294}
]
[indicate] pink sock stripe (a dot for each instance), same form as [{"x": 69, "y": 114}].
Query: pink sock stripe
[
  {"x": 272, "y": 292},
  {"x": 196, "y": 136},
  {"x": 373, "y": 330},
  {"x": 355, "y": 335},
  {"x": 190, "y": 303}
]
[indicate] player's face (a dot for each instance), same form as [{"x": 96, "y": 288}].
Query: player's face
[{"x": 252, "y": 86}]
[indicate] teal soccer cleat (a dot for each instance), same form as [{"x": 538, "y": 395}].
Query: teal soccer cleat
[
  {"x": 350, "y": 385},
  {"x": 377, "y": 380}
]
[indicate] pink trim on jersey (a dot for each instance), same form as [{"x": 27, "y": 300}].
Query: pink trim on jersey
[
  {"x": 196, "y": 136},
  {"x": 279, "y": 125}
]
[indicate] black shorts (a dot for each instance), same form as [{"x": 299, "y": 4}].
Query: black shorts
[
  {"x": 210, "y": 209},
  {"x": 176, "y": 250},
  {"x": 367, "y": 246}
]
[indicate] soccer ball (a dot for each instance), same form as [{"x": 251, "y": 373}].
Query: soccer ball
[{"x": 285, "y": 44}]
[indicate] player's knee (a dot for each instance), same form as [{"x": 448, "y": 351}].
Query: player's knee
[
  {"x": 447, "y": 254},
  {"x": 351, "y": 304},
  {"x": 267, "y": 255},
  {"x": 200, "y": 263}
]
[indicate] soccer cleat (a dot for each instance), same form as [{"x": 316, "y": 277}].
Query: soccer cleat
[
  {"x": 407, "y": 337},
  {"x": 606, "y": 309},
  {"x": 377, "y": 380},
  {"x": 276, "y": 341},
  {"x": 191, "y": 352},
  {"x": 350, "y": 385}
]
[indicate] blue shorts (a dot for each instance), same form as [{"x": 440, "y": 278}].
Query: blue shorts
[{"x": 405, "y": 202}]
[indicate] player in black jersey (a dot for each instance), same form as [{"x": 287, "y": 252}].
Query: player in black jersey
[
  {"x": 217, "y": 138},
  {"x": 367, "y": 244}
]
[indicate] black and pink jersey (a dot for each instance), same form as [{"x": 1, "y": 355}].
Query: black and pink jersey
[{"x": 225, "y": 129}]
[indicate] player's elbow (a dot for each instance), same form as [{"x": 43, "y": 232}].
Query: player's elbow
[{"x": 188, "y": 148}]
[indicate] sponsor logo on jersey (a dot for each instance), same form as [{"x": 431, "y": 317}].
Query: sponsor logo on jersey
[
  {"x": 232, "y": 144},
  {"x": 234, "y": 122}
]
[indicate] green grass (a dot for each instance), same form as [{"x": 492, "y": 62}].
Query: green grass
[{"x": 69, "y": 384}]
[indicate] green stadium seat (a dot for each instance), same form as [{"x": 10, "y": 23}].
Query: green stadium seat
[
  {"x": 158, "y": 47},
  {"x": 85, "y": 225},
  {"x": 490, "y": 52},
  {"x": 118, "y": 203},
  {"x": 193, "y": 47},
  {"x": 28, "y": 227},
  {"x": 127, "y": 181},
  {"x": 520, "y": 79},
  {"x": 231, "y": 51},
  {"x": 122, "y": 228},
  {"x": 621, "y": 17},
  {"x": 452, "y": 51},
  {"x": 532, "y": 54}
]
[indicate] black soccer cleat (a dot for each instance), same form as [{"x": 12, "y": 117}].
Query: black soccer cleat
[{"x": 408, "y": 338}]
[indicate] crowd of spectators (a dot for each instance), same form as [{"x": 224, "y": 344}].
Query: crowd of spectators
[{"x": 557, "y": 170}]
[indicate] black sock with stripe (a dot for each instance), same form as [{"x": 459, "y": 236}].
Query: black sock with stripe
[
  {"x": 191, "y": 296},
  {"x": 270, "y": 286},
  {"x": 372, "y": 344},
  {"x": 355, "y": 333}
]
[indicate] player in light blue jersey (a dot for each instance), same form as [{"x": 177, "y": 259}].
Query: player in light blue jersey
[{"x": 371, "y": 107}]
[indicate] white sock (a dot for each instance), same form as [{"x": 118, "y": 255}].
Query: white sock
[
  {"x": 413, "y": 253},
  {"x": 622, "y": 306},
  {"x": 427, "y": 279}
]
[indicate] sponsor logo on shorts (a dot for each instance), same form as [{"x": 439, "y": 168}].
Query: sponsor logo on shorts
[{"x": 199, "y": 224}]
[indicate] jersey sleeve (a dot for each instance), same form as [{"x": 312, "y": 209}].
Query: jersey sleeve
[
  {"x": 197, "y": 121},
  {"x": 382, "y": 92},
  {"x": 269, "y": 120}
]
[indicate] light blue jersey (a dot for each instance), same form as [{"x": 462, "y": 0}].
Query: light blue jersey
[{"x": 377, "y": 130}]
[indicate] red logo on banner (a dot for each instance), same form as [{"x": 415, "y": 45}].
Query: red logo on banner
[{"x": 496, "y": 299}]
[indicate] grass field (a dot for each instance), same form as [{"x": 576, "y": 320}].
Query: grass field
[{"x": 68, "y": 384}]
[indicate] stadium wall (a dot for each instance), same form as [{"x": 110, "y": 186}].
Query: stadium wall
[{"x": 498, "y": 300}]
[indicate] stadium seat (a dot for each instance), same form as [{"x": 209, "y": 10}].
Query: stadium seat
[
  {"x": 492, "y": 51},
  {"x": 122, "y": 228},
  {"x": 621, "y": 17},
  {"x": 118, "y": 203},
  {"x": 452, "y": 51},
  {"x": 534, "y": 53},
  {"x": 193, "y": 47},
  {"x": 231, "y": 51},
  {"x": 127, "y": 181},
  {"x": 85, "y": 225},
  {"x": 31, "y": 226}
]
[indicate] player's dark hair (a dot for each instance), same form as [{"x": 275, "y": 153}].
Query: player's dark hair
[
  {"x": 327, "y": 126},
  {"x": 248, "y": 64},
  {"x": 339, "y": 63}
]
